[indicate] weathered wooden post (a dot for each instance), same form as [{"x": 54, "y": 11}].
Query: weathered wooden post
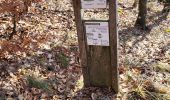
[{"x": 98, "y": 42}]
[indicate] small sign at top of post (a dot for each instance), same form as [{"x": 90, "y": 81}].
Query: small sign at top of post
[{"x": 89, "y": 4}]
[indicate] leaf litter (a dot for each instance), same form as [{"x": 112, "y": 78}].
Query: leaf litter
[{"x": 46, "y": 53}]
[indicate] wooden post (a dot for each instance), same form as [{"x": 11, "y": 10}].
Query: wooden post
[
  {"x": 81, "y": 41},
  {"x": 100, "y": 63},
  {"x": 113, "y": 22}
]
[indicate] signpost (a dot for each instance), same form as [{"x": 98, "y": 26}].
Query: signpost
[
  {"x": 98, "y": 42},
  {"x": 97, "y": 33}
]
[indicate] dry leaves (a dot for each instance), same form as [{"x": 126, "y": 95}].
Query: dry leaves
[{"x": 48, "y": 50}]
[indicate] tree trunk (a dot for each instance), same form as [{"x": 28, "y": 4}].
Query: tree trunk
[
  {"x": 166, "y": 8},
  {"x": 135, "y": 3},
  {"x": 141, "y": 19}
]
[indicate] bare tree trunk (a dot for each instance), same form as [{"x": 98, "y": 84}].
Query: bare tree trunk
[
  {"x": 166, "y": 8},
  {"x": 141, "y": 19},
  {"x": 135, "y": 3}
]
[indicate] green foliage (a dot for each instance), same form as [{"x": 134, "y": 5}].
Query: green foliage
[
  {"x": 137, "y": 93},
  {"x": 37, "y": 83},
  {"x": 148, "y": 91},
  {"x": 167, "y": 30},
  {"x": 168, "y": 80},
  {"x": 164, "y": 67},
  {"x": 120, "y": 11},
  {"x": 63, "y": 60},
  {"x": 140, "y": 90}
]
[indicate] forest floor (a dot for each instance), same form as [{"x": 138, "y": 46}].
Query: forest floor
[{"x": 41, "y": 61}]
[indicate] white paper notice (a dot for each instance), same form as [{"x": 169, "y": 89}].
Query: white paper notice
[
  {"x": 97, "y": 33},
  {"x": 89, "y": 4}
]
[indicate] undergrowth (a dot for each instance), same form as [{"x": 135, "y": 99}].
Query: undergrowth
[{"x": 37, "y": 83}]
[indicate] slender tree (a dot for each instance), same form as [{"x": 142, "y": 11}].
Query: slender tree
[
  {"x": 166, "y": 8},
  {"x": 141, "y": 19},
  {"x": 135, "y": 3}
]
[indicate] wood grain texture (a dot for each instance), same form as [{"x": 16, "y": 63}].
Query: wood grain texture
[
  {"x": 81, "y": 41},
  {"x": 113, "y": 24},
  {"x": 100, "y": 63}
]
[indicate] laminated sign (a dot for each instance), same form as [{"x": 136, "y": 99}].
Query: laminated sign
[
  {"x": 97, "y": 33},
  {"x": 88, "y": 4}
]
